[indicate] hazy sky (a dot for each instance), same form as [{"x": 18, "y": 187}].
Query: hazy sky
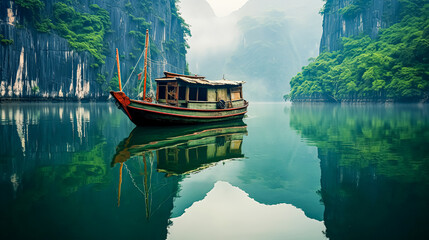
[
  {"x": 217, "y": 38},
  {"x": 224, "y": 7}
]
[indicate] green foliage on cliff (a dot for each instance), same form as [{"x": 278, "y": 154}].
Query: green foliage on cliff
[
  {"x": 179, "y": 47},
  {"x": 44, "y": 25},
  {"x": 154, "y": 50},
  {"x": 354, "y": 9},
  {"x": 175, "y": 12},
  {"x": 35, "y": 89},
  {"x": 31, "y": 5},
  {"x": 394, "y": 66},
  {"x": 84, "y": 31},
  {"x": 187, "y": 72},
  {"x": 32, "y": 12},
  {"x": 86, "y": 28},
  {"x": 5, "y": 41},
  {"x": 114, "y": 83},
  {"x": 105, "y": 84},
  {"x": 139, "y": 15},
  {"x": 141, "y": 21},
  {"x": 171, "y": 45}
]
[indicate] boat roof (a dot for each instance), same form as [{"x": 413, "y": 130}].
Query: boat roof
[
  {"x": 200, "y": 80},
  {"x": 172, "y": 75}
]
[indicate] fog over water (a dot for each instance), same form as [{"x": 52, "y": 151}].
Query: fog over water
[{"x": 265, "y": 42}]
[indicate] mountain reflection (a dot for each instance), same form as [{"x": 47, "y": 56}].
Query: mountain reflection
[{"x": 374, "y": 168}]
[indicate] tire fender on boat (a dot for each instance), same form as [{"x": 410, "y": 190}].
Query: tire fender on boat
[{"x": 220, "y": 104}]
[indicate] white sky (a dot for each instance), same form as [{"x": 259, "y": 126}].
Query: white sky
[{"x": 224, "y": 7}]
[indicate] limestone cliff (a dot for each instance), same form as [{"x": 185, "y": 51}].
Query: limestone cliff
[
  {"x": 346, "y": 18},
  {"x": 38, "y": 58}
]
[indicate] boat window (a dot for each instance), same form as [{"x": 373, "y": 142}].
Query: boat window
[
  {"x": 172, "y": 90},
  {"x": 202, "y": 153},
  {"x": 193, "y": 93},
  {"x": 202, "y": 94},
  {"x": 182, "y": 93},
  {"x": 193, "y": 154},
  {"x": 161, "y": 155},
  {"x": 172, "y": 155},
  {"x": 161, "y": 92},
  {"x": 236, "y": 93},
  {"x": 197, "y": 94}
]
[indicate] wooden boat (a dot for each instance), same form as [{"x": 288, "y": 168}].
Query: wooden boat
[{"x": 183, "y": 99}]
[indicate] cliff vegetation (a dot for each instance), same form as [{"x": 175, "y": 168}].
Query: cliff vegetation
[
  {"x": 392, "y": 67},
  {"x": 65, "y": 49}
]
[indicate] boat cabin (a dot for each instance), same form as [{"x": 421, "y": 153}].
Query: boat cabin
[{"x": 195, "y": 92}]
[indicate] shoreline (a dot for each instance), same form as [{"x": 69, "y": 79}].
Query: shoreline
[{"x": 360, "y": 101}]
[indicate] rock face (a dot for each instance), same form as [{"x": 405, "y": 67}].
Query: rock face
[
  {"x": 43, "y": 65},
  {"x": 346, "y": 18}
]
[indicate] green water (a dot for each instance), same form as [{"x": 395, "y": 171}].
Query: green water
[{"x": 83, "y": 171}]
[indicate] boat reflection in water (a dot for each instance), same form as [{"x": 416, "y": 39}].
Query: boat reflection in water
[{"x": 162, "y": 156}]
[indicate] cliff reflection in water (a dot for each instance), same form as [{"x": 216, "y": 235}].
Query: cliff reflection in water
[{"x": 374, "y": 165}]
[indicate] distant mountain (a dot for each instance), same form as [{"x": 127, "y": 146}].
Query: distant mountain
[
  {"x": 305, "y": 24},
  {"x": 212, "y": 38},
  {"x": 266, "y": 57},
  {"x": 264, "y": 43}
]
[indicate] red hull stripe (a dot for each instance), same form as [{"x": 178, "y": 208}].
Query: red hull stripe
[
  {"x": 187, "y": 109},
  {"x": 187, "y": 116}
]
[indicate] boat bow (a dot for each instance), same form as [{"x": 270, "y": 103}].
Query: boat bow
[{"x": 122, "y": 101}]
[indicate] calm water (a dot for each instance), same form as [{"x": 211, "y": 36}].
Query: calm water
[{"x": 83, "y": 171}]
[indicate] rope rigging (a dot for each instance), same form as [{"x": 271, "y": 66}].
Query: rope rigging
[
  {"x": 147, "y": 72},
  {"x": 141, "y": 55},
  {"x": 150, "y": 61}
]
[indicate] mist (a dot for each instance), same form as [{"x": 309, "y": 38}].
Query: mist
[{"x": 265, "y": 43}]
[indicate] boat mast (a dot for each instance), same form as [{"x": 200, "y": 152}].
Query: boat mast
[
  {"x": 146, "y": 188},
  {"x": 145, "y": 63},
  {"x": 120, "y": 184},
  {"x": 119, "y": 70}
]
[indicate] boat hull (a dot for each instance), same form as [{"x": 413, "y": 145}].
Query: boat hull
[{"x": 145, "y": 113}]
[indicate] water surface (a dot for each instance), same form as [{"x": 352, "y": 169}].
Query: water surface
[{"x": 84, "y": 171}]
